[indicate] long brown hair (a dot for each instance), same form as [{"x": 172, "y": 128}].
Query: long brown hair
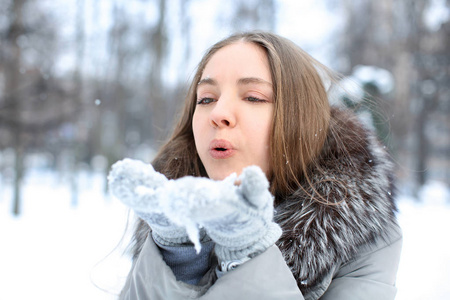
[{"x": 301, "y": 117}]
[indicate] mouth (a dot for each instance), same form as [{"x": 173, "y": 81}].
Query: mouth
[{"x": 221, "y": 149}]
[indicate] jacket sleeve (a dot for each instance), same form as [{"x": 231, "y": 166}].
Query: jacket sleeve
[
  {"x": 372, "y": 274},
  {"x": 264, "y": 277}
]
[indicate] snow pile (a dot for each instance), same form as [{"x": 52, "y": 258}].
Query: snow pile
[
  {"x": 54, "y": 250},
  {"x": 435, "y": 193},
  {"x": 425, "y": 262}
]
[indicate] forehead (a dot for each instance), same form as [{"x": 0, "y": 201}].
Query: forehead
[{"x": 242, "y": 59}]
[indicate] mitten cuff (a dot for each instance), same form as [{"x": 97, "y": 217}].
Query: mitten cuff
[
  {"x": 176, "y": 237},
  {"x": 225, "y": 254},
  {"x": 169, "y": 241}
]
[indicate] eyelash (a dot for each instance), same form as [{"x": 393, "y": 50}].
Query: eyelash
[
  {"x": 201, "y": 101},
  {"x": 256, "y": 100}
]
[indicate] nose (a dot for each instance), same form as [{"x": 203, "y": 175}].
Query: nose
[{"x": 223, "y": 113}]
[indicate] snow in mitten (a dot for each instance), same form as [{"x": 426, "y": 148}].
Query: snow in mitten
[
  {"x": 192, "y": 200},
  {"x": 140, "y": 187},
  {"x": 238, "y": 218}
]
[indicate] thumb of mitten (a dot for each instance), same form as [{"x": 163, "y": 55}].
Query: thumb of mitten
[{"x": 254, "y": 187}]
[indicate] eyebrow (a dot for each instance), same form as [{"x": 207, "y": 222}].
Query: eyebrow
[
  {"x": 207, "y": 81},
  {"x": 241, "y": 81},
  {"x": 250, "y": 80}
]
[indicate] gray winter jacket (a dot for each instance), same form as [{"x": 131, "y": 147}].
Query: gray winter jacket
[
  {"x": 371, "y": 275},
  {"x": 348, "y": 248}
]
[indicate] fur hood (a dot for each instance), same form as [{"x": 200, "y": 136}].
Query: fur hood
[{"x": 355, "y": 178}]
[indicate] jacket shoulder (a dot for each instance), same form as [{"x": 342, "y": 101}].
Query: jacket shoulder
[{"x": 372, "y": 273}]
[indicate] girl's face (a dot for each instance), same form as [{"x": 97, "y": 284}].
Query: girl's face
[{"x": 232, "y": 121}]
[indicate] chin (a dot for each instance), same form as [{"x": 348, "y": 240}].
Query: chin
[{"x": 221, "y": 175}]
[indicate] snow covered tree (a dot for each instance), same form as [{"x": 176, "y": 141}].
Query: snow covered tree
[{"x": 410, "y": 39}]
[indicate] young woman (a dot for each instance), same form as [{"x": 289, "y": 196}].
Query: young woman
[{"x": 259, "y": 100}]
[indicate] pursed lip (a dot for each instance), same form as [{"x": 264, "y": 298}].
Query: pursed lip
[{"x": 221, "y": 149}]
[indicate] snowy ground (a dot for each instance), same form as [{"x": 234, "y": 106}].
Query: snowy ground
[{"x": 58, "y": 251}]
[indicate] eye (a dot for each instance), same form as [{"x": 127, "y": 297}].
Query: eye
[
  {"x": 255, "y": 99},
  {"x": 205, "y": 100}
]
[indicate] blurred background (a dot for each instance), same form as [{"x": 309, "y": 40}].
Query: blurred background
[{"x": 84, "y": 83}]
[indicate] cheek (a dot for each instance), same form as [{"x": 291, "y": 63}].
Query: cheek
[
  {"x": 196, "y": 122},
  {"x": 260, "y": 137},
  {"x": 264, "y": 128},
  {"x": 197, "y": 129},
  {"x": 267, "y": 137}
]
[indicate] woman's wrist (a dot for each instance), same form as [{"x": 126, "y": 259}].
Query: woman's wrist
[{"x": 186, "y": 264}]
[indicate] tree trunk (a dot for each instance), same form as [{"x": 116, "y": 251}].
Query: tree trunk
[
  {"x": 12, "y": 88},
  {"x": 18, "y": 177},
  {"x": 422, "y": 146}
]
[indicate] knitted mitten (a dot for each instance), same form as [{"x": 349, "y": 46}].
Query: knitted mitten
[
  {"x": 235, "y": 212},
  {"x": 141, "y": 188}
]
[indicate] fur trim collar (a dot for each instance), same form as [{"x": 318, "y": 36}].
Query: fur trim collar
[{"x": 355, "y": 178}]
